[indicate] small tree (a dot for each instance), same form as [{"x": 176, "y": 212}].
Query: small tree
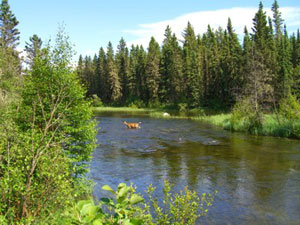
[{"x": 46, "y": 140}]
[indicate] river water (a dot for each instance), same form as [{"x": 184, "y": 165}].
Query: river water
[{"x": 257, "y": 178}]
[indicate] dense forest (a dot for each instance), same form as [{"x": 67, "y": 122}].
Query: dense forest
[
  {"x": 47, "y": 133},
  {"x": 215, "y": 69}
]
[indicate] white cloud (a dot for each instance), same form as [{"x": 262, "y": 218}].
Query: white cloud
[{"x": 240, "y": 18}]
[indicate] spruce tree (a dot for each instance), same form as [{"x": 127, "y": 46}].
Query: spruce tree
[
  {"x": 8, "y": 23},
  {"x": 231, "y": 66},
  {"x": 132, "y": 75},
  {"x": 285, "y": 62},
  {"x": 102, "y": 76},
  {"x": 115, "y": 89},
  {"x": 264, "y": 55},
  {"x": 171, "y": 69},
  {"x": 140, "y": 73},
  {"x": 152, "y": 74},
  {"x": 277, "y": 20},
  {"x": 33, "y": 49},
  {"x": 10, "y": 62},
  {"x": 192, "y": 67},
  {"x": 122, "y": 61}
]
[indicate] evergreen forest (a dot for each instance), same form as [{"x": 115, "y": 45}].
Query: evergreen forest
[{"x": 47, "y": 130}]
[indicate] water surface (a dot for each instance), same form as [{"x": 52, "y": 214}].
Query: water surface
[{"x": 257, "y": 178}]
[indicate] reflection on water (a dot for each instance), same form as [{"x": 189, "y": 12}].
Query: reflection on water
[{"x": 257, "y": 178}]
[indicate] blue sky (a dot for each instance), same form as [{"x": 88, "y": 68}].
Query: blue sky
[{"x": 92, "y": 23}]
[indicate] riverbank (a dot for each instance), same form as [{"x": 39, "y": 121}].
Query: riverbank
[{"x": 272, "y": 126}]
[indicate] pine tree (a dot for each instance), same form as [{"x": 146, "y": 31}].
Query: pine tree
[
  {"x": 192, "y": 67},
  {"x": 140, "y": 73},
  {"x": 115, "y": 90},
  {"x": 122, "y": 61},
  {"x": 231, "y": 66},
  {"x": 285, "y": 62},
  {"x": 277, "y": 20},
  {"x": 33, "y": 49},
  {"x": 264, "y": 54},
  {"x": 171, "y": 69},
  {"x": 8, "y": 22},
  {"x": 247, "y": 55},
  {"x": 211, "y": 67},
  {"x": 152, "y": 74},
  {"x": 80, "y": 68},
  {"x": 10, "y": 62},
  {"x": 132, "y": 75}
]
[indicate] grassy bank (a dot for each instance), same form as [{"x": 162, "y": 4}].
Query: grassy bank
[
  {"x": 272, "y": 125},
  {"x": 121, "y": 109}
]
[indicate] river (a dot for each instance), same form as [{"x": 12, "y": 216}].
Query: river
[{"x": 257, "y": 178}]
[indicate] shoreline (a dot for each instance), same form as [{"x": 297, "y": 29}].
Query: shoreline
[{"x": 271, "y": 126}]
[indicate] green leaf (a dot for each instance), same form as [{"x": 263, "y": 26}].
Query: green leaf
[
  {"x": 97, "y": 222},
  {"x": 123, "y": 191},
  {"x": 80, "y": 204},
  {"x": 136, "y": 221},
  {"x": 121, "y": 185},
  {"x": 136, "y": 199},
  {"x": 108, "y": 188}
]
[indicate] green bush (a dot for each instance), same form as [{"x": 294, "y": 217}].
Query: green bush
[
  {"x": 96, "y": 101},
  {"x": 289, "y": 115},
  {"x": 127, "y": 207},
  {"x": 246, "y": 117},
  {"x": 182, "y": 107},
  {"x": 46, "y": 140}
]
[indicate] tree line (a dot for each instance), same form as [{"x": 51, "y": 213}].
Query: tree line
[{"x": 214, "y": 69}]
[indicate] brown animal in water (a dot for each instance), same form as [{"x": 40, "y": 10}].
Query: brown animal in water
[{"x": 132, "y": 125}]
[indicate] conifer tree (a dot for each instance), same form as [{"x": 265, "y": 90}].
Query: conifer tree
[
  {"x": 231, "y": 66},
  {"x": 115, "y": 91},
  {"x": 140, "y": 73},
  {"x": 264, "y": 55},
  {"x": 192, "y": 67},
  {"x": 33, "y": 49},
  {"x": 122, "y": 61},
  {"x": 133, "y": 93},
  {"x": 10, "y": 62},
  {"x": 102, "y": 76},
  {"x": 152, "y": 74},
  {"x": 8, "y": 23},
  {"x": 211, "y": 67},
  {"x": 171, "y": 69},
  {"x": 277, "y": 20},
  {"x": 285, "y": 64}
]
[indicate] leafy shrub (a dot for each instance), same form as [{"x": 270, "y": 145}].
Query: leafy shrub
[
  {"x": 136, "y": 104},
  {"x": 127, "y": 207},
  {"x": 96, "y": 101},
  {"x": 182, "y": 107},
  {"x": 122, "y": 209},
  {"x": 289, "y": 114},
  {"x": 246, "y": 117},
  {"x": 183, "y": 208}
]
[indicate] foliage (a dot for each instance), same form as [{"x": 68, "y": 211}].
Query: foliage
[
  {"x": 46, "y": 139},
  {"x": 129, "y": 208},
  {"x": 96, "y": 101},
  {"x": 124, "y": 208},
  {"x": 245, "y": 117},
  {"x": 289, "y": 112},
  {"x": 182, "y": 208}
]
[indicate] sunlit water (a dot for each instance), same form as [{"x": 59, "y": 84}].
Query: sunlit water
[{"x": 257, "y": 178}]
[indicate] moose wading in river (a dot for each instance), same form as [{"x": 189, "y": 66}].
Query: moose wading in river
[{"x": 132, "y": 125}]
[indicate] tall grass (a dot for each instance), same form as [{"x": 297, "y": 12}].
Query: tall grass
[
  {"x": 120, "y": 109},
  {"x": 273, "y": 125}
]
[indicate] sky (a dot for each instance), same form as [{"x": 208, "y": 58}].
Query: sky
[{"x": 91, "y": 24}]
